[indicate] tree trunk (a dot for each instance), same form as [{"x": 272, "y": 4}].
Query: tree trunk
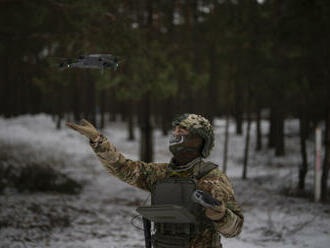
[
  {"x": 59, "y": 108},
  {"x": 77, "y": 90},
  {"x": 279, "y": 145},
  {"x": 111, "y": 106},
  {"x": 304, "y": 166},
  {"x": 130, "y": 123},
  {"x": 238, "y": 112},
  {"x": 239, "y": 123},
  {"x": 247, "y": 145},
  {"x": 272, "y": 128},
  {"x": 102, "y": 107},
  {"x": 123, "y": 111},
  {"x": 92, "y": 101},
  {"x": 225, "y": 149},
  {"x": 258, "y": 131},
  {"x": 326, "y": 162},
  {"x": 212, "y": 94},
  {"x": 146, "y": 148},
  {"x": 4, "y": 83},
  {"x": 59, "y": 121},
  {"x": 166, "y": 117},
  {"x": 165, "y": 125},
  {"x": 112, "y": 117}
]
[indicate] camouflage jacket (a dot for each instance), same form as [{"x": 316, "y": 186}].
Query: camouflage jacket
[{"x": 144, "y": 175}]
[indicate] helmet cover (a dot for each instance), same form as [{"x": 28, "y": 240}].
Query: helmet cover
[{"x": 199, "y": 125}]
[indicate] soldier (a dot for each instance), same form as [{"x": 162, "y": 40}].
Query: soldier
[{"x": 191, "y": 140}]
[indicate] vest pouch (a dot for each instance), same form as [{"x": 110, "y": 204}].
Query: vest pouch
[
  {"x": 174, "y": 191},
  {"x": 166, "y": 214},
  {"x": 170, "y": 241}
]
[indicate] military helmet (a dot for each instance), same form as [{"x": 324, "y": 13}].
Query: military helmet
[{"x": 199, "y": 125}]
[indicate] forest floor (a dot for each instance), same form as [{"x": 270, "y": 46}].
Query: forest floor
[{"x": 101, "y": 215}]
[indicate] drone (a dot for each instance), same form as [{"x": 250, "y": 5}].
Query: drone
[{"x": 98, "y": 61}]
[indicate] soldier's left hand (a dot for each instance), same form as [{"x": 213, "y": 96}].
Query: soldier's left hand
[
  {"x": 216, "y": 213},
  {"x": 86, "y": 129}
]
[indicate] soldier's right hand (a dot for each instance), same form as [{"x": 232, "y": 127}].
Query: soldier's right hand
[{"x": 86, "y": 129}]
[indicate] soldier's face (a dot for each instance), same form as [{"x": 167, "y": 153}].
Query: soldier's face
[
  {"x": 183, "y": 144},
  {"x": 177, "y": 136},
  {"x": 178, "y": 130}
]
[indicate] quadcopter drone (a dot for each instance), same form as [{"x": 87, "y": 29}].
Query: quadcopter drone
[{"x": 98, "y": 61}]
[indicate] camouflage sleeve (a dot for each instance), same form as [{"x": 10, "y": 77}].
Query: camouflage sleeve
[
  {"x": 219, "y": 186},
  {"x": 136, "y": 173}
]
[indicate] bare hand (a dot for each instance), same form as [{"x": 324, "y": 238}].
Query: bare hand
[{"x": 86, "y": 129}]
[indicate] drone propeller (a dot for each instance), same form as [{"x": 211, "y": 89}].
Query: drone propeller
[{"x": 60, "y": 61}]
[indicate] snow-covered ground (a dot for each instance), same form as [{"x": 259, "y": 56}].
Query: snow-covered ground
[{"x": 102, "y": 214}]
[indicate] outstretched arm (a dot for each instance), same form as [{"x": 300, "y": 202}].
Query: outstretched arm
[{"x": 136, "y": 173}]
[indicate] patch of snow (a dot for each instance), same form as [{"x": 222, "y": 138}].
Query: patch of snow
[{"x": 101, "y": 215}]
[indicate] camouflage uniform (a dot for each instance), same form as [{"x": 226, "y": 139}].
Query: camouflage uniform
[{"x": 144, "y": 175}]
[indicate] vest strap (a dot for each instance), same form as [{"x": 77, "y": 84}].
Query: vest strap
[{"x": 205, "y": 169}]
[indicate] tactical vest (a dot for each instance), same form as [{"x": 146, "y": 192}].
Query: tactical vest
[{"x": 176, "y": 191}]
